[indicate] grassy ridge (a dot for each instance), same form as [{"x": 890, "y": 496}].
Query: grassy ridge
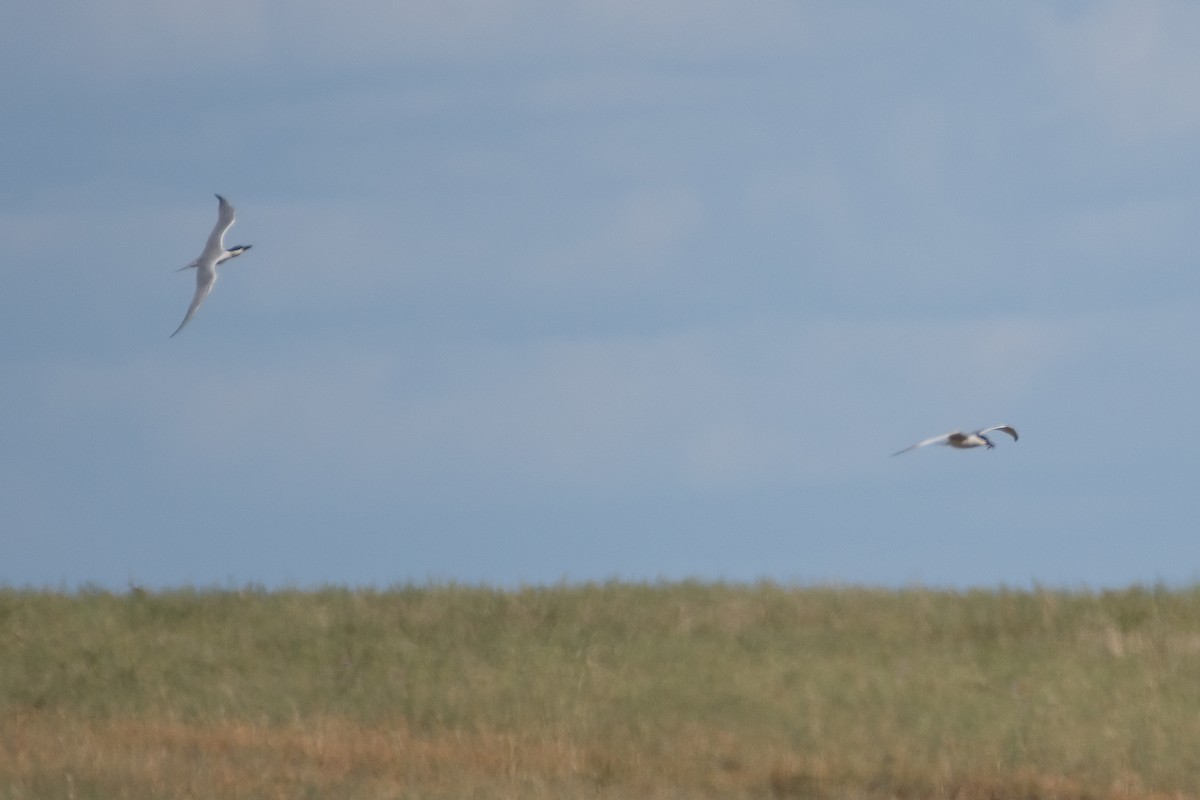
[{"x": 607, "y": 690}]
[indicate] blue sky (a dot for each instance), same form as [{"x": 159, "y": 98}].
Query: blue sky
[{"x": 550, "y": 291}]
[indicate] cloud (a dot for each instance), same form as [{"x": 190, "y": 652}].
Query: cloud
[
  {"x": 485, "y": 30},
  {"x": 728, "y": 408},
  {"x": 638, "y": 240},
  {"x": 1134, "y": 64},
  {"x": 131, "y": 39},
  {"x": 143, "y": 42}
]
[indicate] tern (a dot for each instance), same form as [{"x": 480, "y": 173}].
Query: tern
[
  {"x": 964, "y": 441},
  {"x": 214, "y": 254}
]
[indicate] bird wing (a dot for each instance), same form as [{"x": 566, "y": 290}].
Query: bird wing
[
  {"x": 1010, "y": 430},
  {"x": 216, "y": 240},
  {"x": 931, "y": 440},
  {"x": 206, "y": 277}
]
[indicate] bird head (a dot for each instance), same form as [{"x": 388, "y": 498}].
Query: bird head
[
  {"x": 988, "y": 442},
  {"x": 239, "y": 249}
]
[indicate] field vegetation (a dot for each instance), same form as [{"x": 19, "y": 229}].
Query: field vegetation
[{"x": 615, "y": 690}]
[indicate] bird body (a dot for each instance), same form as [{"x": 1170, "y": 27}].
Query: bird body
[
  {"x": 964, "y": 440},
  {"x": 214, "y": 253}
]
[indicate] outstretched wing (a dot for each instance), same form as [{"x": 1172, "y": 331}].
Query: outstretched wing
[
  {"x": 931, "y": 440},
  {"x": 206, "y": 277},
  {"x": 1010, "y": 430},
  {"x": 216, "y": 240}
]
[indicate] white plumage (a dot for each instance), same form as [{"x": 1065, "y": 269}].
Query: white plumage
[
  {"x": 214, "y": 254},
  {"x": 964, "y": 440}
]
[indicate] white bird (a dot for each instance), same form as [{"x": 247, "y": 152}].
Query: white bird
[
  {"x": 214, "y": 253},
  {"x": 963, "y": 440}
]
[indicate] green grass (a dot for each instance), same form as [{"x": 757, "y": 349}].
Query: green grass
[{"x": 603, "y": 690}]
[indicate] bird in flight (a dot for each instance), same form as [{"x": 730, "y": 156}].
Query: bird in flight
[
  {"x": 964, "y": 441},
  {"x": 214, "y": 254}
]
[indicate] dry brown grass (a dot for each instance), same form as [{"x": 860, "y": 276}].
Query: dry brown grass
[{"x": 55, "y": 755}]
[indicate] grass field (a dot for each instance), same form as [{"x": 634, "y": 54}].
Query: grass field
[{"x": 671, "y": 690}]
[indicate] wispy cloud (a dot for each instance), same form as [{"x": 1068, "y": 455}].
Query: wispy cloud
[
  {"x": 138, "y": 40},
  {"x": 1133, "y": 64},
  {"x": 759, "y": 404},
  {"x": 637, "y": 241}
]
